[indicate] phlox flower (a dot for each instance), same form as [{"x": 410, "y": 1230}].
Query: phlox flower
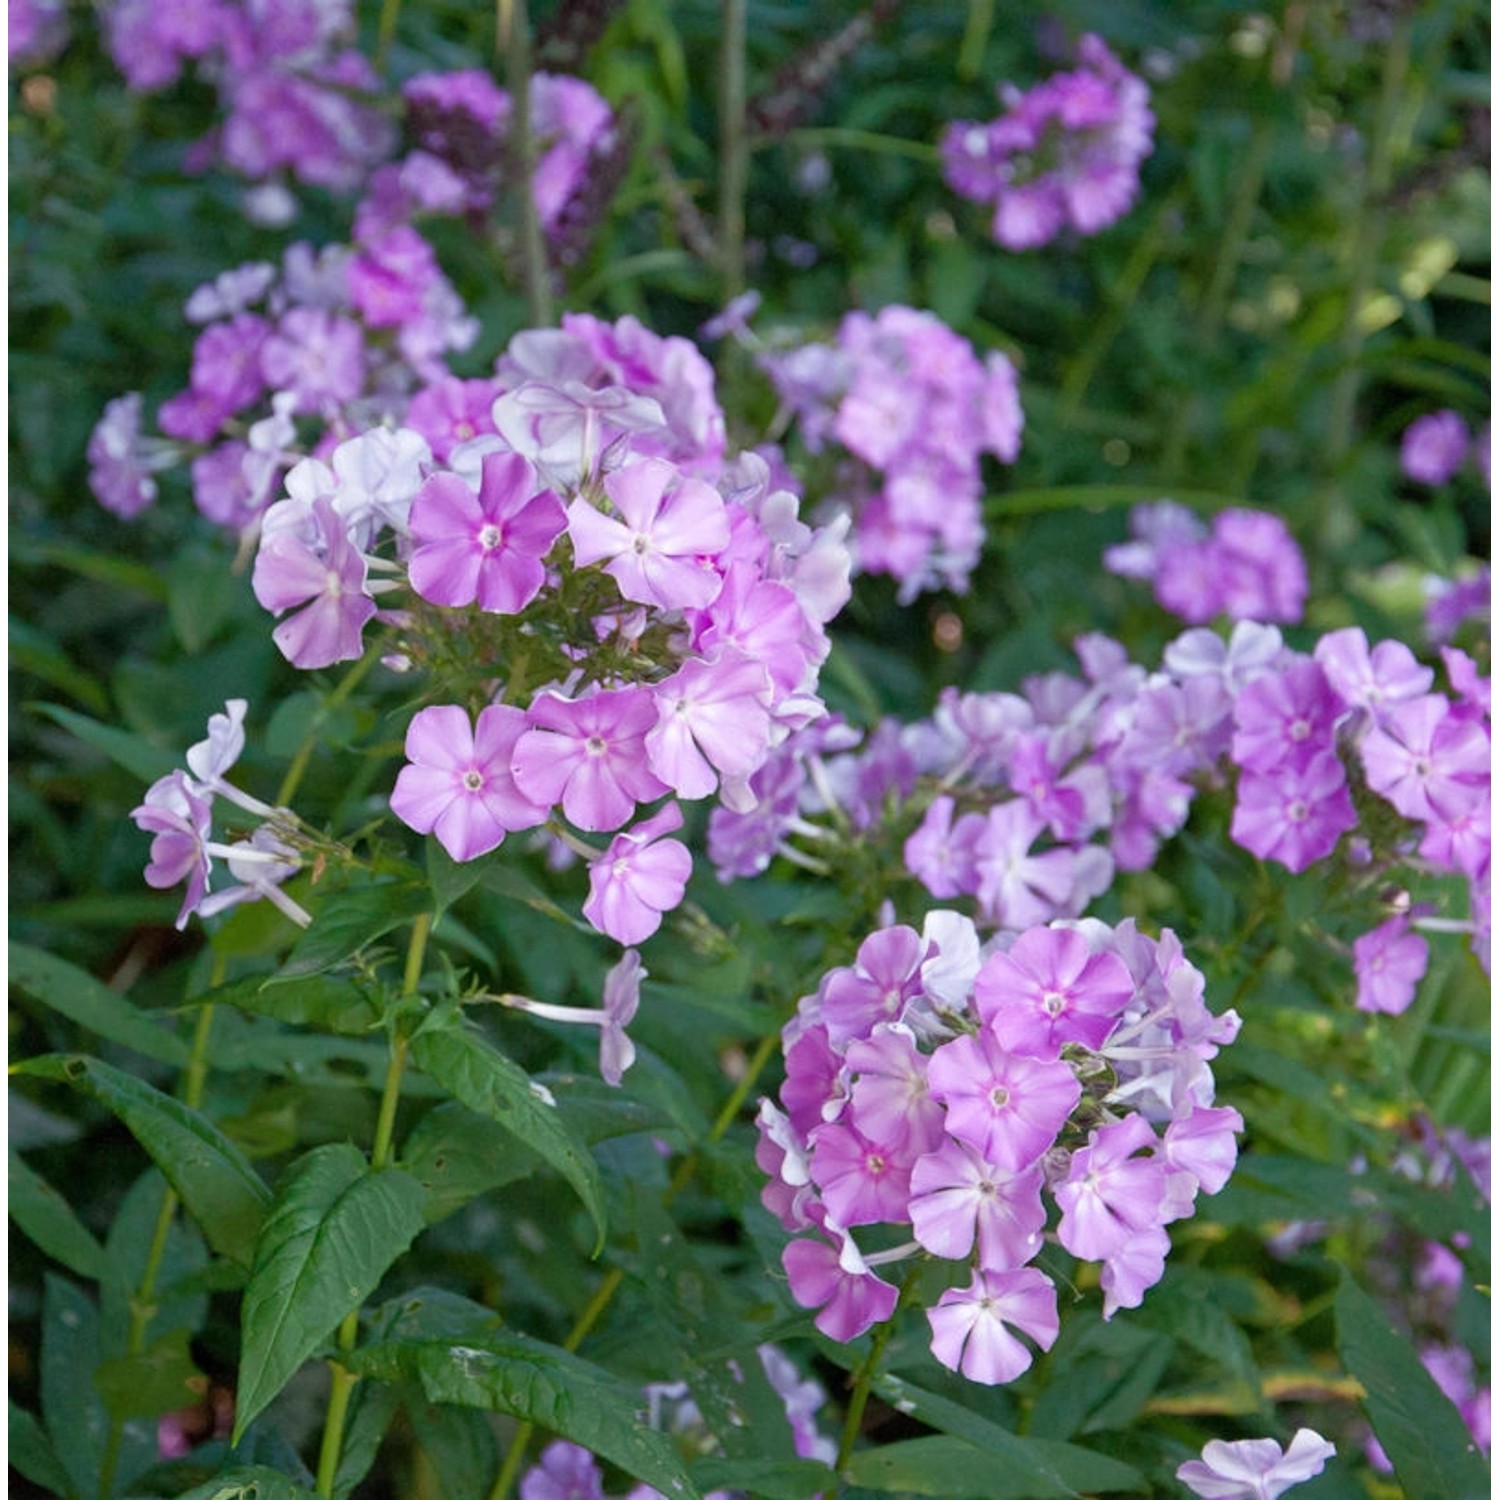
[
  {"x": 563, "y": 1472},
  {"x": 1016, "y": 887},
  {"x": 958, "y": 1197},
  {"x": 319, "y": 357},
  {"x": 571, "y": 431},
  {"x": 180, "y": 819},
  {"x": 1284, "y": 719},
  {"x": 1369, "y": 678},
  {"x": 120, "y": 463},
  {"x": 1111, "y": 1193},
  {"x": 940, "y": 851},
  {"x": 861, "y": 1183},
  {"x": 1434, "y": 447},
  {"x": 836, "y": 1279},
  {"x": 971, "y": 1326},
  {"x": 1294, "y": 816},
  {"x": 1426, "y": 761},
  {"x": 458, "y": 783},
  {"x": 590, "y": 755},
  {"x": 660, "y": 543},
  {"x": 485, "y": 548},
  {"x": 1049, "y": 989},
  {"x": 1255, "y": 1468},
  {"x": 622, "y": 998},
  {"x": 713, "y": 720},
  {"x": 259, "y": 864},
  {"x": 1009, "y": 1108},
  {"x": 639, "y": 877},
  {"x": 885, "y": 978},
  {"x": 323, "y": 581},
  {"x": 889, "y": 1101},
  {"x": 1389, "y": 964}
]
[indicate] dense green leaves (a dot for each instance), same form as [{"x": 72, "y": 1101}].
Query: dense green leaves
[
  {"x": 1417, "y": 1425},
  {"x": 43, "y": 1215},
  {"x": 215, "y": 1182},
  {"x": 522, "y": 1377},
  {"x": 489, "y": 1083},
  {"x": 349, "y": 922},
  {"x": 334, "y": 1229},
  {"x": 959, "y": 1470}
]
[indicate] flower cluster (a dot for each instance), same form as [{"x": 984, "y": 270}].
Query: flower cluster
[
  {"x": 673, "y": 627},
  {"x": 1435, "y": 447},
  {"x": 1065, "y": 154},
  {"x": 178, "y": 813},
  {"x": 1246, "y": 566},
  {"x": 293, "y": 89},
  {"x": 941, "y": 1092},
  {"x": 914, "y": 407},
  {"x": 566, "y": 1471}
]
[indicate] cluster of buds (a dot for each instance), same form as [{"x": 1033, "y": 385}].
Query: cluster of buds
[{"x": 941, "y": 1092}]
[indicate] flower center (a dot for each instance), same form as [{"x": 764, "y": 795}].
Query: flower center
[
  {"x": 999, "y": 1097},
  {"x": 473, "y": 781},
  {"x": 1053, "y": 1003},
  {"x": 489, "y": 536}
]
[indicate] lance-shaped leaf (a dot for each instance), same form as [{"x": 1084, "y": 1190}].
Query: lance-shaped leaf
[
  {"x": 522, "y": 1377},
  {"x": 43, "y": 1215},
  {"x": 218, "y": 1187},
  {"x": 328, "y": 1004},
  {"x": 492, "y": 1085},
  {"x": 255, "y": 1482},
  {"x": 350, "y": 921},
  {"x": 72, "y": 992},
  {"x": 1424, "y": 1437},
  {"x": 332, "y": 1232},
  {"x": 31, "y": 1452}
]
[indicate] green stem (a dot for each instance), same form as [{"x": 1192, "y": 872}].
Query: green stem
[
  {"x": 310, "y": 740},
  {"x": 860, "y": 140},
  {"x": 734, "y": 152},
  {"x": 344, "y": 1379},
  {"x": 976, "y": 37},
  {"x": 143, "y": 1304},
  {"x": 385, "y": 32},
  {"x": 513, "y": 38},
  {"x": 864, "y": 1377}
]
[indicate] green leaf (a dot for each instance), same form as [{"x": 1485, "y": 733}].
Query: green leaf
[
  {"x": 350, "y": 921},
  {"x": 958, "y": 1470},
  {"x": 30, "y": 1452},
  {"x": 1044, "y": 1467},
  {"x": 253, "y": 1482},
  {"x": 332, "y": 1232},
  {"x": 198, "y": 603},
  {"x": 459, "y": 1444},
  {"x": 160, "y": 1379},
  {"x": 80, "y": 997},
  {"x": 522, "y": 1377},
  {"x": 101, "y": 567},
  {"x": 71, "y": 1408},
  {"x": 140, "y": 757},
  {"x": 371, "y": 1408},
  {"x": 218, "y": 1187},
  {"x": 768, "y": 1479},
  {"x": 43, "y": 1215},
  {"x": 31, "y": 651},
  {"x": 1418, "y": 1426},
  {"x": 448, "y": 878},
  {"x": 492, "y": 1085},
  {"x": 328, "y": 1004}
]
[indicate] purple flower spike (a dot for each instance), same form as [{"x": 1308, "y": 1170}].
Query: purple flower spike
[
  {"x": 1255, "y": 1469},
  {"x": 971, "y": 1325},
  {"x": 641, "y": 876},
  {"x": 458, "y": 785},
  {"x": 487, "y": 547}
]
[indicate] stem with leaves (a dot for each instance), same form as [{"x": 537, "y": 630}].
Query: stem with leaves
[{"x": 344, "y": 1379}]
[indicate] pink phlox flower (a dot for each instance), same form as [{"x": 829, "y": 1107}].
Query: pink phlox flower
[
  {"x": 376, "y": 476},
  {"x": 458, "y": 783},
  {"x": 948, "y": 972},
  {"x": 641, "y": 876},
  {"x": 861, "y": 1182},
  {"x": 260, "y": 864},
  {"x": 1019, "y": 889},
  {"x": 485, "y": 548},
  {"x": 226, "y": 362},
  {"x": 971, "y": 1326},
  {"x": 1201, "y": 1146},
  {"x": 451, "y": 411},
  {"x": 660, "y": 546},
  {"x": 1389, "y": 964},
  {"x": 712, "y": 720},
  {"x": 742, "y": 845},
  {"x": 1009, "y": 1108},
  {"x": 1048, "y": 990},
  {"x": 1451, "y": 602},
  {"x": 1434, "y": 447},
  {"x": 1058, "y": 800},
  {"x": 589, "y": 754},
  {"x": 1132, "y": 1269},
  {"x": 1472, "y": 689},
  {"x": 1294, "y": 816},
  {"x": 889, "y": 1103},
  {"x": 389, "y": 276},
  {"x": 802, "y": 1399},
  {"x": 316, "y": 355},
  {"x": 1179, "y": 728},
  {"x": 983, "y": 728},
  {"x": 959, "y": 1198},
  {"x": 763, "y": 620},
  {"x": 1370, "y": 680},
  {"x": 782, "y": 1155},
  {"x": 835, "y": 1278},
  {"x": 1285, "y": 719},
  {"x": 1159, "y": 532},
  {"x": 180, "y": 818},
  {"x": 121, "y": 461},
  {"x": 230, "y": 292},
  {"x": 1255, "y": 1468},
  {"x": 563, "y": 1472},
  {"x": 1262, "y": 572},
  {"x": 572, "y": 432},
  {"x": 1458, "y": 837},
  {"x": 1252, "y": 650},
  {"x": 323, "y": 580},
  {"x": 1427, "y": 762},
  {"x": 885, "y": 978},
  {"x": 1110, "y": 1192},
  {"x": 816, "y": 1087}
]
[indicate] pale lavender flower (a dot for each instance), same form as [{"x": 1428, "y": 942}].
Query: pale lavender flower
[
  {"x": 1255, "y": 1468},
  {"x": 1389, "y": 964},
  {"x": 180, "y": 819},
  {"x": 1294, "y": 815},
  {"x": 120, "y": 461},
  {"x": 959, "y": 1197},
  {"x": 1434, "y": 447},
  {"x": 971, "y": 1326},
  {"x": 641, "y": 876}
]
